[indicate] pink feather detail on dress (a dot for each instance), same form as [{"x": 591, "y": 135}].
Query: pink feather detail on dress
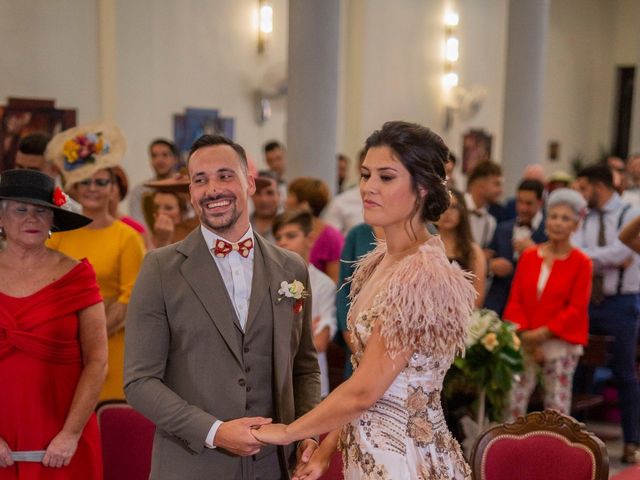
[{"x": 427, "y": 303}]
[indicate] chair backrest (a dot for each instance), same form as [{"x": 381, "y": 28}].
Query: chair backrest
[
  {"x": 127, "y": 440},
  {"x": 540, "y": 446}
]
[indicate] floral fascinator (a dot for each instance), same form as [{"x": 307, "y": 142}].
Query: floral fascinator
[{"x": 81, "y": 151}]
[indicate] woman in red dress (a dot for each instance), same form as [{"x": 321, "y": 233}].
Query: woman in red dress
[{"x": 53, "y": 340}]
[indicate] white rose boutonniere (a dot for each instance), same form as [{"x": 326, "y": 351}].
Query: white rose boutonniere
[{"x": 294, "y": 290}]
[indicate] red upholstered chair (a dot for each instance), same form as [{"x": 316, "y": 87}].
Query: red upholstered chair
[
  {"x": 127, "y": 440},
  {"x": 540, "y": 446}
]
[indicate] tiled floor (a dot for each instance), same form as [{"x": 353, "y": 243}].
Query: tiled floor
[{"x": 612, "y": 437}]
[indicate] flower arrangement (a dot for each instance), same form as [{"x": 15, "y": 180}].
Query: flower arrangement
[
  {"x": 83, "y": 149},
  {"x": 294, "y": 290},
  {"x": 492, "y": 359}
]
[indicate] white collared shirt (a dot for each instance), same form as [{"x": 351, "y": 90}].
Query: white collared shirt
[
  {"x": 482, "y": 223},
  {"x": 237, "y": 275},
  {"x": 323, "y": 307},
  {"x": 236, "y": 272},
  {"x": 521, "y": 232},
  {"x": 608, "y": 260},
  {"x": 345, "y": 210}
]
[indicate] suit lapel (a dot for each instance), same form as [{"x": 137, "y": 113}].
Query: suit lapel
[{"x": 201, "y": 273}]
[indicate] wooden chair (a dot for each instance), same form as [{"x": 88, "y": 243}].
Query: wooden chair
[
  {"x": 127, "y": 440},
  {"x": 539, "y": 446}
]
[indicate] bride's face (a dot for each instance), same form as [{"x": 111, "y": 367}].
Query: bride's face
[{"x": 385, "y": 186}]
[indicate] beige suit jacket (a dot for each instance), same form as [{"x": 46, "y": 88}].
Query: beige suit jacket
[{"x": 183, "y": 362}]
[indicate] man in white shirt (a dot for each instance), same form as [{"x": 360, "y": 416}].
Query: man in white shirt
[
  {"x": 614, "y": 307},
  {"x": 344, "y": 211},
  {"x": 216, "y": 343},
  {"x": 484, "y": 187},
  {"x": 291, "y": 231}
]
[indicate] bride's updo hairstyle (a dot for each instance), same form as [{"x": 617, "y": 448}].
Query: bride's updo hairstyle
[{"x": 423, "y": 154}]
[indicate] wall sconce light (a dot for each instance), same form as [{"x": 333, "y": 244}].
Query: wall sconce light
[
  {"x": 451, "y": 49},
  {"x": 265, "y": 24}
]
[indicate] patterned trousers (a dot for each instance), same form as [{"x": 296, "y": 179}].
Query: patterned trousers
[{"x": 557, "y": 380}]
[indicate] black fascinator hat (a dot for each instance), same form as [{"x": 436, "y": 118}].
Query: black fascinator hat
[{"x": 36, "y": 188}]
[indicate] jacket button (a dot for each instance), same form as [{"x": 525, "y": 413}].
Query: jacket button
[
  {"x": 242, "y": 382},
  {"x": 246, "y": 349},
  {"x": 248, "y": 369},
  {"x": 248, "y": 389}
]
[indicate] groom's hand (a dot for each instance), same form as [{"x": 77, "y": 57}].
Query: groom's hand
[
  {"x": 304, "y": 451},
  {"x": 235, "y": 436}
]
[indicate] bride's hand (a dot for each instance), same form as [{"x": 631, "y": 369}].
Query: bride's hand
[
  {"x": 317, "y": 465},
  {"x": 273, "y": 434}
]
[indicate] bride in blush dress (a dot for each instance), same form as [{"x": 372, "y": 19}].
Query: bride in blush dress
[{"x": 409, "y": 313}]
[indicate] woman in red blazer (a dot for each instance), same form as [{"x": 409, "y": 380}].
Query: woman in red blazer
[{"x": 548, "y": 302}]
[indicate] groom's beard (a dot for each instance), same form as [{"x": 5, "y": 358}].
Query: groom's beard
[{"x": 219, "y": 222}]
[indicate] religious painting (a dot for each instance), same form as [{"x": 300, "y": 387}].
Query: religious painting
[
  {"x": 195, "y": 122},
  {"x": 476, "y": 148},
  {"x": 22, "y": 116}
]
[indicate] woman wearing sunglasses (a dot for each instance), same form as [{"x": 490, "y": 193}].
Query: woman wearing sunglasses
[{"x": 85, "y": 155}]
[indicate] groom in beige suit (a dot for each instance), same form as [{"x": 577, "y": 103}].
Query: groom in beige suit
[{"x": 212, "y": 347}]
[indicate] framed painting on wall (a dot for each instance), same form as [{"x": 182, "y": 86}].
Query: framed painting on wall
[
  {"x": 476, "y": 148},
  {"x": 22, "y": 116},
  {"x": 195, "y": 122}
]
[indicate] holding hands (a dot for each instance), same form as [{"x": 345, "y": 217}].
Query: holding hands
[
  {"x": 235, "y": 436},
  {"x": 311, "y": 461},
  {"x": 273, "y": 434},
  {"x": 5, "y": 454}
]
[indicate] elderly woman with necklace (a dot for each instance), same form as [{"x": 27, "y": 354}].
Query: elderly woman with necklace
[{"x": 53, "y": 339}]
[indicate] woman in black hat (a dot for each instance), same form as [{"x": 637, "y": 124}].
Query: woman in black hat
[{"x": 53, "y": 341}]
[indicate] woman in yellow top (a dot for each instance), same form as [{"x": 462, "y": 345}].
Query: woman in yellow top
[{"x": 114, "y": 249}]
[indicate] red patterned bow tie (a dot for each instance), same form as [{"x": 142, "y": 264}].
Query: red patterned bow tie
[{"x": 223, "y": 248}]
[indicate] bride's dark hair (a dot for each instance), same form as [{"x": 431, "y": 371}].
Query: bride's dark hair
[{"x": 423, "y": 154}]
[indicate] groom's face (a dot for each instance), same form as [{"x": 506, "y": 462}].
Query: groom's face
[{"x": 220, "y": 188}]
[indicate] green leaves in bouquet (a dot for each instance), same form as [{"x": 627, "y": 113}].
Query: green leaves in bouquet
[{"x": 491, "y": 361}]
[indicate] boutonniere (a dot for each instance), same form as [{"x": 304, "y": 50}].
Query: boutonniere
[{"x": 294, "y": 290}]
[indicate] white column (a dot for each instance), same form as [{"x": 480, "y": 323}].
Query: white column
[
  {"x": 522, "y": 133},
  {"x": 108, "y": 59},
  {"x": 312, "y": 104}
]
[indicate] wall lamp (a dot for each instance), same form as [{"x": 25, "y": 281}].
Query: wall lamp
[
  {"x": 265, "y": 24},
  {"x": 451, "y": 49}
]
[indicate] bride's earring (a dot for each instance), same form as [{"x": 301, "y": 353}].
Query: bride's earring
[
  {"x": 1, "y": 232},
  {"x": 49, "y": 234}
]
